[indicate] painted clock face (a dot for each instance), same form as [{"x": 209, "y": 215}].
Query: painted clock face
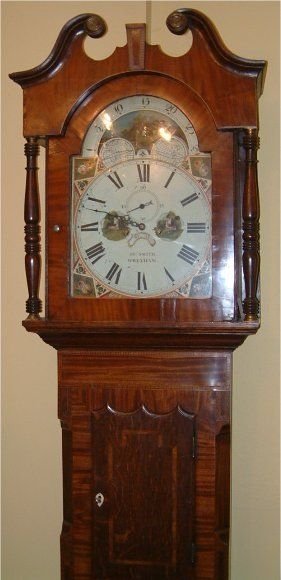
[{"x": 141, "y": 220}]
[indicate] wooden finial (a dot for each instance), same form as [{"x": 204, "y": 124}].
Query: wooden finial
[
  {"x": 95, "y": 26},
  {"x": 177, "y": 22}
]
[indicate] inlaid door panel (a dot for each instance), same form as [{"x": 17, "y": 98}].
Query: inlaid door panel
[{"x": 143, "y": 494}]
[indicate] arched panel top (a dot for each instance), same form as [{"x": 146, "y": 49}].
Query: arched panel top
[
  {"x": 143, "y": 411},
  {"x": 180, "y": 94},
  {"x": 228, "y": 84}
]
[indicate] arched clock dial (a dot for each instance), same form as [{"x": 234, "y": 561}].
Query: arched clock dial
[
  {"x": 142, "y": 120},
  {"x": 141, "y": 220},
  {"x": 143, "y": 228}
]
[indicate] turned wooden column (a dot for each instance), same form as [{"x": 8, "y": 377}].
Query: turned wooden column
[
  {"x": 251, "y": 214},
  {"x": 32, "y": 229}
]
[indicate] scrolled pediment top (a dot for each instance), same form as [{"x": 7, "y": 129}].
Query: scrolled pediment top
[
  {"x": 83, "y": 24},
  {"x": 184, "y": 19}
]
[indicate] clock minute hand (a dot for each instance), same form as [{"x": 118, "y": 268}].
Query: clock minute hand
[
  {"x": 98, "y": 210},
  {"x": 127, "y": 218}
]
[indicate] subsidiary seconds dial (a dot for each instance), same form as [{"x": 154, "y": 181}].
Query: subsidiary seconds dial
[{"x": 143, "y": 228}]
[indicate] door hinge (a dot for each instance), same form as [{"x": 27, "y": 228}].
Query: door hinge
[{"x": 193, "y": 553}]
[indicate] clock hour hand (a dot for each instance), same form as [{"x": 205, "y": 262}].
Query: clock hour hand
[{"x": 141, "y": 206}]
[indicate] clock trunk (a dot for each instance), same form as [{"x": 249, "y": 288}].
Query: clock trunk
[{"x": 146, "y": 464}]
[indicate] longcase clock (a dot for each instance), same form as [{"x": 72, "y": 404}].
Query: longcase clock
[{"x": 152, "y": 269}]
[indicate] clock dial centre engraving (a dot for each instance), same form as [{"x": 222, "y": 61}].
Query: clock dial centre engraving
[{"x": 143, "y": 204}]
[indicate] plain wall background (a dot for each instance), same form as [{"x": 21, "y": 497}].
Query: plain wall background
[{"x": 32, "y": 487}]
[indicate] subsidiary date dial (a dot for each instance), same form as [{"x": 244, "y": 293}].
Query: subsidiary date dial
[{"x": 142, "y": 227}]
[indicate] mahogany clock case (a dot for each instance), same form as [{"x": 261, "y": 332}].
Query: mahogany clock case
[{"x": 144, "y": 384}]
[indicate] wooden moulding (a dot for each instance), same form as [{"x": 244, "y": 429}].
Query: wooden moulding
[{"x": 222, "y": 336}]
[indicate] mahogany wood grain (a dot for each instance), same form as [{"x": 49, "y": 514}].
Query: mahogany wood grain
[{"x": 159, "y": 367}]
